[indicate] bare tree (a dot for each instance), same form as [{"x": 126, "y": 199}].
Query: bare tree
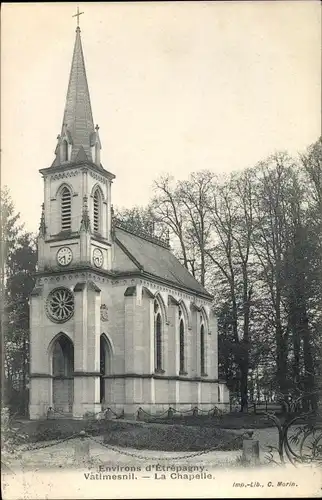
[
  {"x": 168, "y": 209},
  {"x": 195, "y": 195}
]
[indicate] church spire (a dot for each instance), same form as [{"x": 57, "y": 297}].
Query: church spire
[{"x": 78, "y": 140}]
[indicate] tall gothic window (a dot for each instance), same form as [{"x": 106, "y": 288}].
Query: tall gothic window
[
  {"x": 105, "y": 365},
  {"x": 158, "y": 336},
  {"x": 202, "y": 350},
  {"x": 66, "y": 209},
  {"x": 97, "y": 210},
  {"x": 181, "y": 328}
]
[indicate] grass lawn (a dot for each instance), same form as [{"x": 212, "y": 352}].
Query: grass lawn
[
  {"x": 173, "y": 437},
  {"x": 139, "y": 435},
  {"x": 179, "y": 433}
]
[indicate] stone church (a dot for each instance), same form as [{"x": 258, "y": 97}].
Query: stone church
[{"x": 116, "y": 320}]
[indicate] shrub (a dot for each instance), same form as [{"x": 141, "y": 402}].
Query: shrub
[{"x": 10, "y": 436}]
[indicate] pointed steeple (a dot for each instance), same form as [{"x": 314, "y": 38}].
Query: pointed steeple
[{"x": 78, "y": 138}]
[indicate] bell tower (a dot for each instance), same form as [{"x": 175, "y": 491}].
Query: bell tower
[
  {"x": 74, "y": 251},
  {"x": 76, "y": 220}
]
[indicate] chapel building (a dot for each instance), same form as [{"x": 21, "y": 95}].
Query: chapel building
[{"x": 116, "y": 320}]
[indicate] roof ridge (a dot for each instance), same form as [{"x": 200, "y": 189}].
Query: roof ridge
[{"x": 143, "y": 235}]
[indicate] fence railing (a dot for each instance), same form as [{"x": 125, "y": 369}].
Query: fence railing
[
  {"x": 299, "y": 435},
  {"x": 141, "y": 414},
  {"x": 171, "y": 413},
  {"x": 299, "y": 432},
  {"x": 256, "y": 407}
]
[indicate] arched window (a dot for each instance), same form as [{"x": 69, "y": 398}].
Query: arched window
[
  {"x": 66, "y": 209},
  {"x": 202, "y": 350},
  {"x": 158, "y": 336},
  {"x": 65, "y": 151},
  {"x": 97, "y": 211},
  {"x": 182, "y": 359},
  {"x": 105, "y": 365}
]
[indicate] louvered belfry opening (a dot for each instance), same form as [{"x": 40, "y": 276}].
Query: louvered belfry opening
[
  {"x": 96, "y": 211},
  {"x": 66, "y": 210}
]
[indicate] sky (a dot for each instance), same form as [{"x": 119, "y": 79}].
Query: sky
[{"x": 175, "y": 87}]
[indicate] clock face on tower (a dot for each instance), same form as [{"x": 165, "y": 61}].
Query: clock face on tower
[
  {"x": 64, "y": 256},
  {"x": 97, "y": 257}
]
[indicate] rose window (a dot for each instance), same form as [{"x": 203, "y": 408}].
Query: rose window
[{"x": 60, "y": 305}]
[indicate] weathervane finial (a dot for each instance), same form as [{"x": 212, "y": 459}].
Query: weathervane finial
[{"x": 77, "y": 15}]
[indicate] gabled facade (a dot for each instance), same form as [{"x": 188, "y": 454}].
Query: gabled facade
[{"x": 116, "y": 320}]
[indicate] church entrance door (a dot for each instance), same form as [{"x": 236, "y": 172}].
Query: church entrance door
[{"x": 63, "y": 375}]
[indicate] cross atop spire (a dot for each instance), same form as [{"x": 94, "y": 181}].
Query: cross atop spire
[{"x": 77, "y": 15}]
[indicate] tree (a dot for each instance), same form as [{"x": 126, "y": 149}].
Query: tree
[
  {"x": 311, "y": 162},
  {"x": 254, "y": 239},
  {"x": 9, "y": 228},
  {"x": 168, "y": 209},
  {"x": 269, "y": 246},
  {"x": 140, "y": 220},
  {"x": 183, "y": 208},
  {"x": 20, "y": 282},
  {"x": 194, "y": 195},
  {"x": 231, "y": 216},
  {"x": 18, "y": 265}
]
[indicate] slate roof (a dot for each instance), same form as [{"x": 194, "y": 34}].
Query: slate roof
[{"x": 157, "y": 260}]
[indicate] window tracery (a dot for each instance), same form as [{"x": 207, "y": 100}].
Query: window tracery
[{"x": 60, "y": 305}]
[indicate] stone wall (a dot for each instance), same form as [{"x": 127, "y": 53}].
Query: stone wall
[{"x": 132, "y": 380}]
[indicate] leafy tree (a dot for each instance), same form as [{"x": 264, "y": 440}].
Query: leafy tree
[
  {"x": 18, "y": 265},
  {"x": 231, "y": 216},
  {"x": 274, "y": 180},
  {"x": 9, "y": 229},
  {"x": 20, "y": 283},
  {"x": 311, "y": 162}
]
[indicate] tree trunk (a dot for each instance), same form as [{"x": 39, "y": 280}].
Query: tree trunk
[
  {"x": 309, "y": 384},
  {"x": 281, "y": 372},
  {"x": 244, "y": 366}
]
